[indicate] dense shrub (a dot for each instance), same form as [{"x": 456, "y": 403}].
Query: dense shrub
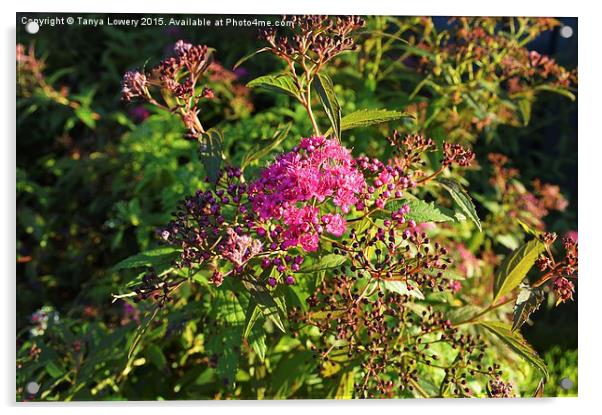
[{"x": 373, "y": 226}]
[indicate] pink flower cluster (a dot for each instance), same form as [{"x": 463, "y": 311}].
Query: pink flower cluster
[
  {"x": 316, "y": 171},
  {"x": 238, "y": 249}
]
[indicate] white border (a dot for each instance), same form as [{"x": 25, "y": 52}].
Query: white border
[{"x": 590, "y": 115}]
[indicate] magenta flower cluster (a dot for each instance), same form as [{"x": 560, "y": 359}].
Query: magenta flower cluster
[{"x": 315, "y": 172}]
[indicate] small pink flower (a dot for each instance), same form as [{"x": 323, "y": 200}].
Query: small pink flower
[
  {"x": 335, "y": 224},
  {"x": 455, "y": 286},
  {"x": 301, "y": 228},
  {"x": 572, "y": 235},
  {"x": 563, "y": 288},
  {"x": 239, "y": 249}
]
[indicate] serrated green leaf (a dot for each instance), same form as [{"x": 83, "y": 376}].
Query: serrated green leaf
[
  {"x": 365, "y": 118},
  {"x": 328, "y": 261},
  {"x": 420, "y": 211},
  {"x": 225, "y": 343},
  {"x": 225, "y": 346},
  {"x": 210, "y": 153},
  {"x": 323, "y": 86},
  {"x": 150, "y": 258},
  {"x": 282, "y": 83},
  {"x": 401, "y": 287},
  {"x": 515, "y": 267},
  {"x": 517, "y": 343},
  {"x": 527, "y": 302},
  {"x": 462, "y": 199}
]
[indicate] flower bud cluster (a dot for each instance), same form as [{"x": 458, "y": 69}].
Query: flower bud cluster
[
  {"x": 174, "y": 84},
  {"x": 317, "y": 39}
]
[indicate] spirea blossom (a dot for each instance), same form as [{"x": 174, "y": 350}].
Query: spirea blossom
[
  {"x": 316, "y": 171},
  {"x": 238, "y": 249},
  {"x": 335, "y": 224}
]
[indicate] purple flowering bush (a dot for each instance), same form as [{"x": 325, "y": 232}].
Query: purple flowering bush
[
  {"x": 318, "y": 264},
  {"x": 334, "y": 251}
]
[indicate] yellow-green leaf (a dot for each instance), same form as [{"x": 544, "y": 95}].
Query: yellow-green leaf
[
  {"x": 283, "y": 83},
  {"x": 517, "y": 343},
  {"x": 515, "y": 267}
]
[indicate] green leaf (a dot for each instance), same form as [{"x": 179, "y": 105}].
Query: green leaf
[
  {"x": 54, "y": 370},
  {"x": 271, "y": 308},
  {"x": 539, "y": 391},
  {"x": 328, "y": 261},
  {"x": 527, "y": 302},
  {"x": 282, "y": 83},
  {"x": 508, "y": 240},
  {"x": 281, "y": 383},
  {"x": 260, "y": 149},
  {"x": 345, "y": 386},
  {"x": 252, "y": 315},
  {"x": 87, "y": 116},
  {"x": 400, "y": 287},
  {"x": 323, "y": 86},
  {"x": 295, "y": 296},
  {"x": 224, "y": 345},
  {"x": 156, "y": 356},
  {"x": 517, "y": 343},
  {"x": 211, "y": 153},
  {"x": 365, "y": 118},
  {"x": 515, "y": 267},
  {"x": 462, "y": 199},
  {"x": 556, "y": 90},
  {"x": 528, "y": 230},
  {"x": 421, "y": 211},
  {"x": 257, "y": 340},
  {"x": 151, "y": 258},
  {"x": 524, "y": 105},
  {"x": 249, "y": 56}
]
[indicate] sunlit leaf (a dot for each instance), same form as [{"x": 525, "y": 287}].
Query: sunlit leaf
[
  {"x": 462, "y": 199},
  {"x": 401, "y": 287},
  {"x": 515, "y": 267},
  {"x": 282, "y": 83},
  {"x": 365, "y": 118},
  {"x": 326, "y": 262},
  {"x": 150, "y": 258},
  {"x": 323, "y": 86},
  {"x": 517, "y": 343},
  {"x": 527, "y": 302}
]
